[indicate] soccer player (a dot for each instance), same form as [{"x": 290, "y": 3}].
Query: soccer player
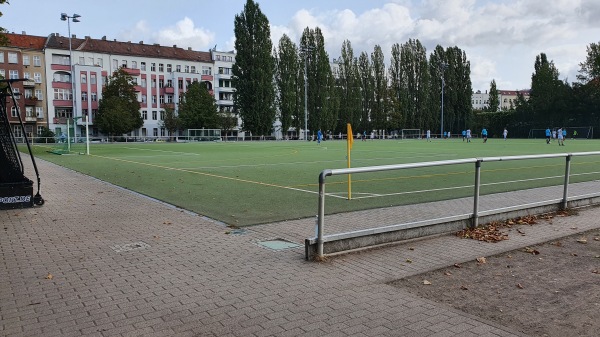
[
  {"x": 428, "y": 135},
  {"x": 505, "y": 133},
  {"x": 561, "y": 140},
  {"x": 468, "y": 135},
  {"x": 319, "y": 136},
  {"x": 464, "y": 134},
  {"x": 484, "y": 135},
  {"x": 548, "y": 135}
]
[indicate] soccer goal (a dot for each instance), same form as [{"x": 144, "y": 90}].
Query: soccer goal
[
  {"x": 411, "y": 133},
  {"x": 204, "y": 134},
  {"x": 580, "y": 132}
]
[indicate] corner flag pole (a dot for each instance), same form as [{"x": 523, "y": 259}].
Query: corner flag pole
[{"x": 350, "y": 140}]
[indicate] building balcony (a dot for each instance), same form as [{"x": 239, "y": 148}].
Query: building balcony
[
  {"x": 29, "y": 83},
  {"x": 169, "y": 90},
  {"x": 59, "y": 120},
  {"x": 207, "y": 77},
  {"x": 30, "y": 101},
  {"x": 61, "y": 85},
  {"x": 132, "y": 72},
  {"x": 64, "y": 67},
  {"x": 30, "y": 119},
  {"x": 62, "y": 103},
  {"x": 138, "y": 88}
]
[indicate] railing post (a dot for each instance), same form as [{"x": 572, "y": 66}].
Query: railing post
[
  {"x": 566, "y": 185},
  {"x": 321, "y": 214},
  {"x": 476, "y": 193}
]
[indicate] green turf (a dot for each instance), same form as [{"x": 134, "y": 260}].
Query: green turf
[{"x": 245, "y": 183}]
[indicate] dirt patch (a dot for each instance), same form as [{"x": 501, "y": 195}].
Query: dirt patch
[{"x": 551, "y": 289}]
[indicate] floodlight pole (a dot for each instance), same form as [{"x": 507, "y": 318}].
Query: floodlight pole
[
  {"x": 75, "y": 18},
  {"x": 444, "y": 66}
]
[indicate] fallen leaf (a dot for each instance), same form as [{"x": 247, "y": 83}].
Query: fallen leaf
[
  {"x": 573, "y": 254},
  {"x": 509, "y": 256},
  {"x": 519, "y": 285},
  {"x": 573, "y": 227},
  {"x": 49, "y": 276},
  {"x": 582, "y": 240},
  {"x": 464, "y": 288},
  {"x": 456, "y": 265},
  {"x": 409, "y": 260},
  {"x": 447, "y": 273},
  {"x": 556, "y": 243},
  {"x": 596, "y": 271},
  {"x": 520, "y": 232},
  {"x": 425, "y": 282},
  {"x": 597, "y": 239},
  {"x": 167, "y": 223},
  {"x": 481, "y": 259},
  {"x": 532, "y": 251},
  {"x": 411, "y": 248},
  {"x": 156, "y": 237}
]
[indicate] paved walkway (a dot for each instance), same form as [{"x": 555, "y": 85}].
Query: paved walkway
[{"x": 98, "y": 260}]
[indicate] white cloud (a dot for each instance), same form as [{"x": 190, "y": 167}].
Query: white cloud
[{"x": 184, "y": 34}]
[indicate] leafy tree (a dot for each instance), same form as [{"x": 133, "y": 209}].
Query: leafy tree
[
  {"x": 349, "y": 85},
  {"x": 548, "y": 94},
  {"x": 365, "y": 77},
  {"x": 289, "y": 80},
  {"x": 254, "y": 70},
  {"x": 3, "y": 39},
  {"x": 397, "y": 118},
  {"x": 119, "y": 109},
  {"x": 227, "y": 122},
  {"x": 494, "y": 104},
  {"x": 414, "y": 85},
  {"x": 379, "y": 112},
  {"x": 590, "y": 68},
  {"x": 198, "y": 108},
  {"x": 171, "y": 122}
]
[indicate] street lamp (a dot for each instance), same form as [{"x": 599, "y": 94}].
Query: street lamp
[
  {"x": 444, "y": 66},
  {"x": 75, "y": 18},
  {"x": 306, "y": 49}
]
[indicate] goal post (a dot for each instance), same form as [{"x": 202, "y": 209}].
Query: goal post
[
  {"x": 201, "y": 135},
  {"x": 574, "y": 132},
  {"x": 411, "y": 133}
]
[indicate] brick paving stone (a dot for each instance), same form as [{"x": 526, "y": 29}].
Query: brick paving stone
[{"x": 193, "y": 280}]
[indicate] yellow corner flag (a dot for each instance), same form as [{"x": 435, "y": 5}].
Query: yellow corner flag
[{"x": 350, "y": 137}]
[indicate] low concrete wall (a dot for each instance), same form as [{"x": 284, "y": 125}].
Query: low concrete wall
[{"x": 341, "y": 242}]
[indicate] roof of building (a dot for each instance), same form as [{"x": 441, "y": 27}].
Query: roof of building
[
  {"x": 524, "y": 92},
  {"x": 104, "y": 46},
  {"x": 26, "y": 41}
]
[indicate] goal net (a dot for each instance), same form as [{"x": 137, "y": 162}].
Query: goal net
[
  {"x": 201, "y": 135},
  {"x": 537, "y": 133},
  {"x": 411, "y": 133},
  {"x": 575, "y": 132}
]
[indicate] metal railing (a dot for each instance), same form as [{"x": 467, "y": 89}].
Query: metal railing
[{"x": 477, "y": 161}]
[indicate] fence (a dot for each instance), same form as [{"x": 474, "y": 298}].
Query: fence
[{"x": 355, "y": 236}]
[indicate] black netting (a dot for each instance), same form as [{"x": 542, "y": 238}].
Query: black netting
[{"x": 11, "y": 169}]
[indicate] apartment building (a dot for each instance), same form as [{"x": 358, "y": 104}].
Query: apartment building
[
  {"x": 23, "y": 58},
  {"x": 161, "y": 74},
  {"x": 508, "y": 99}
]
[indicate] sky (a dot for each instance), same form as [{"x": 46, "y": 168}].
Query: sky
[{"x": 501, "y": 38}]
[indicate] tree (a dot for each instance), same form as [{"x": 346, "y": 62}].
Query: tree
[
  {"x": 414, "y": 85},
  {"x": 590, "y": 68},
  {"x": 119, "y": 109},
  {"x": 171, "y": 122},
  {"x": 254, "y": 70},
  {"x": 379, "y": 112},
  {"x": 349, "y": 87},
  {"x": 397, "y": 118},
  {"x": 365, "y": 77},
  {"x": 3, "y": 39},
  {"x": 289, "y": 80},
  {"x": 494, "y": 104},
  {"x": 198, "y": 108},
  {"x": 548, "y": 94}
]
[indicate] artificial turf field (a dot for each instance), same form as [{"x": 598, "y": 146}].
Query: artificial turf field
[{"x": 246, "y": 183}]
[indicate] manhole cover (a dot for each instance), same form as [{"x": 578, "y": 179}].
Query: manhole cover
[
  {"x": 278, "y": 244},
  {"x": 130, "y": 246}
]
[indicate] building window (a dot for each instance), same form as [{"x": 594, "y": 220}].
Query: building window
[
  {"x": 180, "y": 84},
  {"x": 94, "y": 96},
  {"x": 153, "y": 100},
  {"x": 90, "y": 61},
  {"x": 26, "y": 75},
  {"x": 194, "y": 69},
  {"x": 39, "y": 94},
  {"x": 169, "y": 98},
  {"x": 153, "y": 83},
  {"x": 154, "y": 115},
  {"x": 162, "y": 115},
  {"x": 143, "y": 98},
  {"x": 17, "y": 93},
  {"x": 178, "y": 68},
  {"x": 84, "y": 95},
  {"x": 155, "y": 132},
  {"x": 169, "y": 67},
  {"x": 29, "y": 111},
  {"x": 144, "y": 114},
  {"x": 83, "y": 78},
  {"x": 13, "y": 74},
  {"x": 92, "y": 78},
  {"x": 143, "y": 66},
  {"x": 143, "y": 82},
  {"x": 60, "y": 77},
  {"x": 39, "y": 112},
  {"x": 161, "y": 67},
  {"x": 25, "y": 60},
  {"x": 62, "y": 94},
  {"x": 134, "y": 64},
  {"x": 206, "y": 70},
  {"x": 162, "y": 99},
  {"x": 3, "y": 73},
  {"x": 40, "y": 129},
  {"x": 115, "y": 64},
  {"x": 124, "y": 63},
  {"x": 1, "y": 57},
  {"x": 12, "y": 58},
  {"x": 13, "y": 112},
  {"x": 37, "y": 77},
  {"x": 162, "y": 132},
  {"x": 161, "y": 83},
  {"x": 99, "y": 62},
  {"x": 28, "y": 93},
  {"x": 37, "y": 61},
  {"x": 152, "y": 66},
  {"x": 187, "y": 69}
]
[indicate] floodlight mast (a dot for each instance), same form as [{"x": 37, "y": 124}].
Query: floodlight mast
[{"x": 75, "y": 18}]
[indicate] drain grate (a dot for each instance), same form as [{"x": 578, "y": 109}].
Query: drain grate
[
  {"x": 278, "y": 244},
  {"x": 130, "y": 246}
]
